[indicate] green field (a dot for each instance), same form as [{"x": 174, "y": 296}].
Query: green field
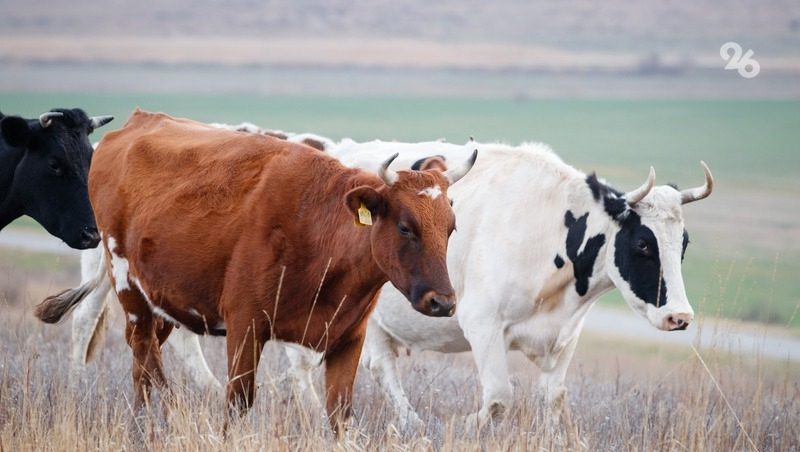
[
  {"x": 753, "y": 147},
  {"x": 754, "y": 141}
]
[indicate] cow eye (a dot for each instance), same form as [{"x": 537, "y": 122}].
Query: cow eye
[
  {"x": 643, "y": 246},
  {"x": 55, "y": 167},
  {"x": 404, "y": 230}
]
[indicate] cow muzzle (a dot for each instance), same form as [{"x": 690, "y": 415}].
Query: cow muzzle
[
  {"x": 435, "y": 304},
  {"x": 90, "y": 238},
  {"x": 676, "y": 321}
]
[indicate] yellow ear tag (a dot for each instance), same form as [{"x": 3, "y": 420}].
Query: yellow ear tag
[{"x": 364, "y": 215}]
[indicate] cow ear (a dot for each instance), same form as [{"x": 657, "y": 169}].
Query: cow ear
[
  {"x": 367, "y": 196},
  {"x": 433, "y": 163},
  {"x": 15, "y": 131}
]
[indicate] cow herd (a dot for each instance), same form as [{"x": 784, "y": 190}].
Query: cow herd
[{"x": 257, "y": 235}]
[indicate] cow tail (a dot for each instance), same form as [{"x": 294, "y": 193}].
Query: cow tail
[
  {"x": 97, "y": 335},
  {"x": 55, "y": 307}
]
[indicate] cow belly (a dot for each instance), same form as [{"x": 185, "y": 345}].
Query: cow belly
[
  {"x": 544, "y": 337},
  {"x": 414, "y": 330}
]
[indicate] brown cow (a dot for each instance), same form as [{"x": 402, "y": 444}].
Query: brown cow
[{"x": 253, "y": 237}]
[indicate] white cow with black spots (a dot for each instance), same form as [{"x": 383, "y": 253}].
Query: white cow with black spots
[{"x": 537, "y": 243}]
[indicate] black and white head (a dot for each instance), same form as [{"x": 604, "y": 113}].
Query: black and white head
[
  {"x": 50, "y": 181},
  {"x": 646, "y": 251}
]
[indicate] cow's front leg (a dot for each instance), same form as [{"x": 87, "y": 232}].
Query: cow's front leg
[
  {"x": 341, "y": 366},
  {"x": 245, "y": 341},
  {"x": 488, "y": 345},
  {"x": 551, "y": 380}
]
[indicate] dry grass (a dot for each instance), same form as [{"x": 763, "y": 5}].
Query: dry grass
[{"x": 621, "y": 397}]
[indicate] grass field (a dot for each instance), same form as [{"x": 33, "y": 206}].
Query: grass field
[
  {"x": 623, "y": 396},
  {"x": 755, "y": 142},
  {"x": 748, "y": 231}
]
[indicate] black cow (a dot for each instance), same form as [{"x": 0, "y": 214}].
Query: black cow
[{"x": 44, "y": 165}]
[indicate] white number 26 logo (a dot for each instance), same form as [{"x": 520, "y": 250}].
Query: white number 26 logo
[{"x": 744, "y": 64}]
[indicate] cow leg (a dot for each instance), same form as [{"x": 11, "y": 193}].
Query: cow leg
[
  {"x": 144, "y": 334},
  {"x": 88, "y": 319},
  {"x": 302, "y": 363},
  {"x": 186, "y": 346},
  {"x": 380, "y": 357},
  {"x": 244, "y": 350},
  {"x": 488, "y": 345},
  {"x": 341, "y": 366},
  {"x": 88, "y": 323},
  {"x": 551, "y": 381}
]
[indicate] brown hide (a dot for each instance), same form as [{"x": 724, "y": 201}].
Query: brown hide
[{"x": 214, "y": 223}]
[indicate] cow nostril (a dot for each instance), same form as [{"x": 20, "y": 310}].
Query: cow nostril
[
  {"x": 434, "y": 306},
  {"x": 90, "y": 235},
  {"x": 677, "y": 322}
]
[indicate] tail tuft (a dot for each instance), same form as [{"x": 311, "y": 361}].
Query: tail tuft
[{"x": 55, "y": 307}]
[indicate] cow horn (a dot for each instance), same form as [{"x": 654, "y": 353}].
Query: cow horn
[
  {"x": 100, "y": 121},
  {"x": 388, "y": 176},
  {"x": 453, "y": 175},
  {"x": 632, "y": 197},
  {"x": 45, "y": 119},
  {"x": 698, "y": 193}
]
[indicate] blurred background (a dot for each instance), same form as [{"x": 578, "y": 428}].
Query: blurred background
[{"x": 613, "y": 87}]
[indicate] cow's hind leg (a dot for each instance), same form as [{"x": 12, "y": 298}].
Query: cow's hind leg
[
  {"x": 186, "y": 346},
  {"x": 302, "y": 364},
  {"x": 88, "y": 320},
  {"x": 144, "y": 333}
]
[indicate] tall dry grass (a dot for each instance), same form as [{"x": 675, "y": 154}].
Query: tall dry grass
[
  {"x": 623, "y": 396},
  {"x": 628, "y": 399}
]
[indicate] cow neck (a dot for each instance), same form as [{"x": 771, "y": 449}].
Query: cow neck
[
  {"x": 601, "y": 282},
  {"x": 9, "y": 208},
  {"x": 587, "y": 243},
  {"x": 349, "y": 244}
]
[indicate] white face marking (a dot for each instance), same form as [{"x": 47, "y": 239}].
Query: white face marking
[
  {"x": 119, "y": 266},
  {"x": 132, "y": 317},
  {"x": 432, "y": 192}
]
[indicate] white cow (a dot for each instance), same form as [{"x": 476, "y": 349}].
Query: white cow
[
  {"x": 309, "y": 139},
  {"x": 537, "y": 243}
]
